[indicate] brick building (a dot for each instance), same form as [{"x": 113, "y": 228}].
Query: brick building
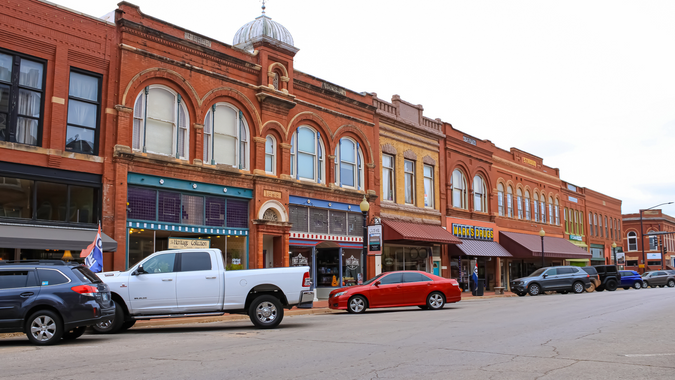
[
  {"x": 57, "y": 79},
  {"x": 644, "y": 252}
]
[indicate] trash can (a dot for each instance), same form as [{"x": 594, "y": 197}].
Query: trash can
[{"x": 480, "y": 289}]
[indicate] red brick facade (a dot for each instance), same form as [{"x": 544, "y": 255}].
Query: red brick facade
[{"x": 653, "y": 221}]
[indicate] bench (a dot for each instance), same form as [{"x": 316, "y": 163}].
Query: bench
[{"x": 499, "y": 290}]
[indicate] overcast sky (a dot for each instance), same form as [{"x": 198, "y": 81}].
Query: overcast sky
[{"x": 589, "y": 86}]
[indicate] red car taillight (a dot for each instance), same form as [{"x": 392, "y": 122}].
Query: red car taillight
[
  {"x": 306, "y": 281},
  {"x": 85, "y": 290}
]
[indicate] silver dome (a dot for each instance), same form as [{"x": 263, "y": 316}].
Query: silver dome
[{"x": 262, "y": 26}]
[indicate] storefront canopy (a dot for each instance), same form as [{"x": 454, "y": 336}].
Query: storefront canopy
[
  {"x": 481, "y": 248},
  {"x": 525, "y": 246},
  {"x": 38, "y": 237},
  {"x": 579, "y": 243},
  {"x": 395, "y": 230}
]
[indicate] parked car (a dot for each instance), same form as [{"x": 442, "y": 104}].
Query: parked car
[
  {"x": 609, "y": 277},
  {"x": 630, "y": 278},
  {"x": 51, "y": 300},
  {"x": 594, "y": 277},
  {"x": 658, "y": 278},
  {"x": 394, "y": 289},
  {"x": 194, "y": 283},
  {"x": 562, "y": 279}
]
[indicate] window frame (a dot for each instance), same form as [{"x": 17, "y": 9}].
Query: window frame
[
  {"x": 357, "y": 164},
  {"x": 550, "y": 210},
  {"x": 97, "y": 128},
  {"x": 319, "y": 156},
  {"x": 527, "y": 205},
  {"x": 480, "y": 194},
  {"x": 273, "y": 155},
  {"x": 241, "y": 163},
  {"x": 509, "y": 201},
  {"x": 500, "y": 199},
  {"x": 409, "y": 174},
  {"x": 535, "y": 208},
  {"x": 431, "y": 196},
  {"x": 461, "y": 190},
  {"x": 392, "y": 178},
  {"x": 632, "y": 236},
  {"x": 519, "y": 202},
  {"x": 14, "y": 87}
]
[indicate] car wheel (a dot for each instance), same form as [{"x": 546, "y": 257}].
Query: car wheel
[
  {"x": 637, "y": 285},
  {"x": 671, "y": 283},
  {"x": 127, "y": 325},
  {"x": 534, "y": 289},
  {"x": 578, "y": 287},
  {"x": 645, "y": 284},
  {"x": 435, "y": 301},
  {"x": 591, "y": 288},
  {"x": 74, "y": 333},
  {"x": 44, "y": 327},
  {"x": 266, "y": 312},
  {"x": 357, "y": 305},
  {"x": 611, "y": 285},
  {"x": 112, "y": 325}
]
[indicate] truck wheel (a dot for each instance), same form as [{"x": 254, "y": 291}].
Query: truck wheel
[
  {"x": 578, "y": 287},
  {"x": 44, "y": 327},
  {"x": 112, "y": 325},
  {"x": 266, "y": 312},
  {"x": 591, "y": 288},
  {"x": 611, "y": 285},
  {"x": 671, "y": 283},
  {"x": 74, "y": 333},
  {"x": 637, "y": 285},
  {"x": 534, "y": 290}
]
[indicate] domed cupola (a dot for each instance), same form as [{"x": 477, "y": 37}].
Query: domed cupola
[{"x": 260, "y": 29}]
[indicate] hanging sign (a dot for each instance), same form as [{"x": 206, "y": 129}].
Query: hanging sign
[
  {"x": 375, "y": 238},
  {"x": 472, "y": 232}
]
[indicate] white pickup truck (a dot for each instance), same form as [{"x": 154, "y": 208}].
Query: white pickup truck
[{"x": 194, "y": 283}]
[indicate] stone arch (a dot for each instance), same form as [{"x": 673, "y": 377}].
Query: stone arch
[
  {"x": 480, "y": 171},
  {"x": 389, "y": 149},
  {"x": 275, "y": 129},
  {"x": 281, "y": 66},
  {"x": 316, "y": 121},
  {"x": 358, "y": 135},
  {"x": 409, "y": 154},
  {"x": 429, "y": 160},
  {"x": 159, "y": 72},
  {"x": 275, "y": 205},
  {"x": 242, "y": 101}
]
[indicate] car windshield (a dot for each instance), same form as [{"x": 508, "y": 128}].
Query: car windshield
[
  {"x": 646, "y": 274},
  {"x": 374, "y": 279},
  {"x": 537, "y": 272}
]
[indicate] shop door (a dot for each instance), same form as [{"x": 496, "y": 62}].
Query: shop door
[
  {"x": 328, "y": 267},
  {"x": 437, "y": 268}
]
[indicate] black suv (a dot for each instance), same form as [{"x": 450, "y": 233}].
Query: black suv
[
  {"x": 609, "y": 275},
  {"x": 50, "y": 299}
]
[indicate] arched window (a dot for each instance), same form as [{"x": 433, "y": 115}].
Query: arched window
[
  {"x": 519, "y": 202},
  {"x": 349, "y": 164},
  {"x": 307, "y": 155},
  {"x": 509, "y": 202},
  {"x": 500, "y": 199},
  {"x": 542, "y": 208},
  {"x": 479, "y": 194},
  {"x": 527, "y": 205},
  {"x": 632, "y": 241},
  {"x": 458, "y": 189},
  {"x": 270, "y": 155},
  {"x": 161, "y": 122},
  {"x": 535, "y": 207},
  {"x": 557, "y": 212},
  {"x": 550, "y": 210},
  {"x": 226, "y": 136}
]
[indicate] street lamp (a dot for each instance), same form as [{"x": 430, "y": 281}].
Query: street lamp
[
  {"x": 614, "y": 251},
  {"x": 542, "y": 233},
  {"x": 642, "y": 237},
  {"x": 365, "y": 206}
]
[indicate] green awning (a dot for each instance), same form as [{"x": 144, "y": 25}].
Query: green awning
[
  {"x": 577, "y": 260},
  {"x": 579, "y": 243}
]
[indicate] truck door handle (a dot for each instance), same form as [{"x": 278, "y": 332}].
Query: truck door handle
[
  {"x": 167, "y": 279},
  {"x": 26, "y": 294},
  {"x": 211, "y": 278}
]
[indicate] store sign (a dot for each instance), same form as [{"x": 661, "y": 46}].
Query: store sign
[
  {"x": 572, "y": 199},
  {"x": 299, "y": 261},
  {"x": 620, "y": 258},
  {"x": 375, "y": 238},
  {"x": 529, "y": 162},
  {"x": 184, "y": 243},
  {"x": 653, "y": 256},
  {"x": 352, "y": 263},
  {"x": 472, "y": 232},
  {"x": 469, "y": 140},
  {"x": 576, "y": 237}
]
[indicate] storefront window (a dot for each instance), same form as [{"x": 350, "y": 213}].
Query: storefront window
[
  {"x": 51, "y": 254},
  {"x": 300, "y": 257},
  {"x": 82, "y": 204},
  {"x": 16, "y": 198},
  {"x": 396, "y": 258},
  {"x": 328, "y": 267},
  {"x": 236, "y": 253},
  {"x": 7, "y": 253},
  {"x": 51, "y": 201},
  {"x": 352, "y": 272},
  {"x": 141, "y": 245}
]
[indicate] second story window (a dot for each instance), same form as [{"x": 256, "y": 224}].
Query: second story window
[
  {"x": 161, "y": 122},
  {"x": 500, "y": 198},
  {"x": 535, "y": 207},
  {"x": 509, "y": 202},
  {"x": 270, "y": 155},
  {"x": 21, "y": 99},
  {"x": 388, "y": 177},
  {"x": 542, "y": 207},
  {"x": 606, "y": 228},
  {"x": 632, "y": 241},
  {"x": 307, "y": 155},
  {"x": 479, "y": 194},
  {"x": 557, "y": 212},
  {"x": 519, "y": 203},
  {"x": 409, "y": 172},
  {"x": 550, "y": 210},
  {"x": 428, "y": 186},
  {"x": 83, "y": 113},
  {"x": 226, "y": 136},
  {"x": 602, "y": 235},
  {"x": 458, "y": 189},
  {"x": 527, "y": 205},
  {"x": 348, "y": 164}
]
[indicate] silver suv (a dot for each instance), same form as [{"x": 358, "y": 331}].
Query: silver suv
[{"x": 561, "y": 279}]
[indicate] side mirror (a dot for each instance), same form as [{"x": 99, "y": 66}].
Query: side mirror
[
  {"x": 544, "y": 275},
  {"x": 377, "y": 283},
  {"x": 139, "y": 270}
]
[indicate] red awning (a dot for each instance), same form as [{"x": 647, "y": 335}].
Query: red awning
[
  {"x": 395, "y": 230},
  {"x": 480, "y": 248},
  {"x": 525, "y": 246}
]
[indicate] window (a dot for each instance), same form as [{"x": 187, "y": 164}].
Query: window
[
  {"x": 195, "y": 261},
  {"x": 606, "y": 228},
  {"x": 519, "y": 202},
  {"x": 83, "y": 113},
  {"x": 509, "y": 201},
  {"x": 527, "y": 205},
  {"x": 21, "y": 99},
  {"x": 557, "y": 212},
  {"x": 307, "y": 155},
  {"x": 536, "y": 207},
  {"x": 394, "y": 278},
  {"x": 500, "y": 199},
  {"x": 13, "y": 279},
  {"x": 160, "y": 264},
  {"x": 653, "y": 242},
  {"x": 161, "y": 122},
  {"x": 348, "y": 164},
  {"x": 600, "y": 223},
  {"x": 428, "y": 186},
  {"x": 551, "y": 272},
  {"x": 458, "y": 189},
  {"x": 550, "y": 210},
  {"x": 409, "y": 172},
  {"x": 414, "y": 277},
  {"x": 581, "y": 223},
  {"x": 270, "y": 155},
  {"x": 542, "y": 206},
  {"x": 567, "y": 229},
  {"x": 388, "y": 177},
  {"x": 479, "y": 194},
  {"x": 632, "y": 241},
  {"x": 226, "y": 136},
  {"x": 595, "y": 225},
  {"x": 48, "y": 277}
]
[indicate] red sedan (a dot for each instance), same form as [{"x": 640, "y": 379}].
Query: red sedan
[{"x": 394, "y": 289}]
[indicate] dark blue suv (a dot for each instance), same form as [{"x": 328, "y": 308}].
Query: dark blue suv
[
  {"x": 49, "y": 300},
  {"x": 630, "y": 279}
]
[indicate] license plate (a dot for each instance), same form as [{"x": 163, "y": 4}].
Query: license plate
[{"x": 106, "y": 297}]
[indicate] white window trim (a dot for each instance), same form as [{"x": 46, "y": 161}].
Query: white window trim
[
  {"x": 241, "y": 122},
  {"x": 392, "y": 170},
  {"x": 273, "y": 154},
  {"x": 358, "y": 165},
  {"x": 412, "y": 184},
  {"x": 431, "y": 197},
  {"x": 319, "y": 161},
  {"x": 462, "y": 190},
  {"x": 629, "y": 237}
]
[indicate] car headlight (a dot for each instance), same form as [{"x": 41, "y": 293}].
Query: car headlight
[{"x": 339, "y": 294}]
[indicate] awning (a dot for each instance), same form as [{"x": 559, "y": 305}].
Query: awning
[
  {"x": 579, "y": 243},
  {"x": 577, "y": 260},
  {"x": 525, "y": 246},
  {"x": 395, "y": 230},
  {"x": 42, "y": 237},
  {"x": 480, "y": 248}
]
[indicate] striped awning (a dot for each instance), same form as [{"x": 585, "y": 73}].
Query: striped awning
[{"x": 481, "y": 248}]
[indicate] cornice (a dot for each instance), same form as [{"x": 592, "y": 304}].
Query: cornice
[
  {"x": 336, "y": 113},
  {"x": 398, "y": 122},
  {"x": 532, "y": 172},
  {"x": 333, "y": 96}
]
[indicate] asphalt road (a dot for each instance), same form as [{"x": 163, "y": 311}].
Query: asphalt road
[{"x": 608, "y": 335}]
